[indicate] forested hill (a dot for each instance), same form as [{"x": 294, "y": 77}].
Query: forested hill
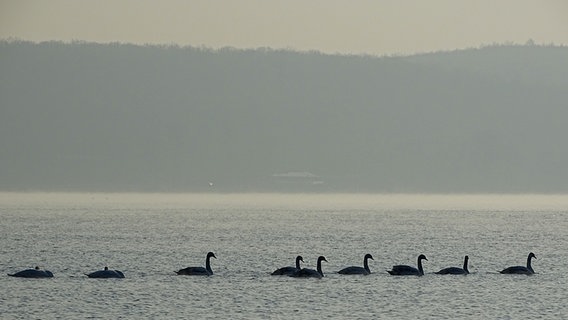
[{"x": 118, "y": 117}]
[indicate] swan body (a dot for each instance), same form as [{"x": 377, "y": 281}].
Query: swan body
[
  {"x": 287, "y": 271},
  {"x": 33, "y": 273},
  {"x": 456, "y": 270},
  {"x": 403, "y": 270},
  {"x": 358, "y": 270},
  {"x": 520, "y": 269},
  {"x": 199, "y": 271},
  {"x": 311, "y": 273},
  {"x": 106, "y": 273}
]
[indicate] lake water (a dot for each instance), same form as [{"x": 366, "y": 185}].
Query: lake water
[{"x": 148, "y": 236}]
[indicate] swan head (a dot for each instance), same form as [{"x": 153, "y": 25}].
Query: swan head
[
  {"x": 322, "y": 258},
  {"x": 299, "y": 258},
  {"x": 211, "y": 255},
  {"x": 368, "y": 256},
  {"x": 106, "y": 268},
  {"x": 422, "y": 257},
  {"x": 531, "y": 255}
]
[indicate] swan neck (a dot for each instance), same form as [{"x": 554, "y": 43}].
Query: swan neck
[
  {"x": 529, "y": 263},
  {"x": 208, "y": 264},
  {"x": 319, "y": 267},
  {"x": 298, "y": 264},
  {"x": 366, "y": 264},
  {"x": 465, "y": 265},
  {"x": 420, "y": 266}
]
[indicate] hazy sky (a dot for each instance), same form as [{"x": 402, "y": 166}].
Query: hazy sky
[{"x": 358, "y": 26}]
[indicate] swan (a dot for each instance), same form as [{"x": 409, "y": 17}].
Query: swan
[
  {"x": 520, "y": 269},
  {"x": 402, "y": 270},
  {"x": 310, "y": 273},
  {"x": 33, "y": 273},
  {"x": 106, "y": 273},
  {"x": 286, "y": 271},
  {"x": 358, "y": 270},
  {"x": 199, "y": 271},
  {"x": 456, "y": 270}
]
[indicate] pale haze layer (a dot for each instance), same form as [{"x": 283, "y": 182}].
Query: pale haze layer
[{"x": 359, "y": 27}]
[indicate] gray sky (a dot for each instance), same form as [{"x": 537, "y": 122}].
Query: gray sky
[{"x": 360, "y": 26}]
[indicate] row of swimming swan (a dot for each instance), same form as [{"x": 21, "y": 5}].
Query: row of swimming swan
[
  {"x": 398, "y": 270},
  {"x": 297, "y": 271}
]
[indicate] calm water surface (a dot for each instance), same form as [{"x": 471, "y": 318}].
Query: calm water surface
[{"x": 148, "y": 236}]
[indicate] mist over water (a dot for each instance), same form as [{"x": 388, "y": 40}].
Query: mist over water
[
  {"x": 87, "y": 117},
  {"x": 148, "y": 236}
]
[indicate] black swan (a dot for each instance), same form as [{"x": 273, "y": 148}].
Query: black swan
[
  {"x": 402, "y": 270},
  {"x": 199, "y": 271},
  {"x": 33, "y": 273},
  {"x": 520, "y": 269},
  {"x": 456, "y": 270},
  {"x": 311, "y": 273},
  {"x": 358, "y": 270},
  {"x": 287, "y": 271},
  {"x": 106, "y": 273}
]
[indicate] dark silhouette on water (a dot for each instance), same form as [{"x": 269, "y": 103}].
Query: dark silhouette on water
[
  {"x": 358, "y": 270},
  {"x": 311, "y": 273},
  {"x": 520, "y": 269},
  {"x": 33, "y": 273},
  {"x": 287, "y": 271},
  {"x": 456, "y": 270},
  {"x": 403, "y": 270},
  {"x": 106, "y": 273},
  {"x": 199, "y": 271}
]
